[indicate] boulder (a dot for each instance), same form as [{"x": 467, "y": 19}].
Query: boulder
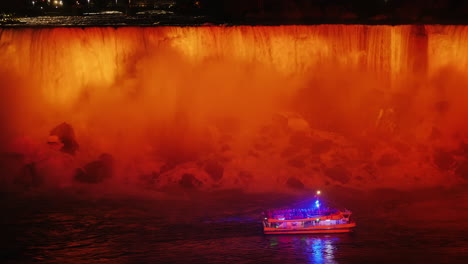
[
  {"x": 295, "y": 183},
  {"x": 11, "y": 167},
  {"x": 297, "y": 162},
  {"x": 66, "y": 135},
  {"x": 96, "y": 171},
  {"x": 338, "y": 173},
  {"x": 189, "y": 181},
  {"x": 444, "y": 160},
  {"x": 300, "y": 140},
  {"x": 321, "y": 146},
  {"x": 245, "y": 176},
  {"x": 462, "y": 169},
  {"x": 298, "y": 124},
  {"x": 29, "y": 176},
  {"x": 462, "y": 150},
  {"x": 388, "y": 160},
  {"x": 214, "y": 169},
  {"x": 150, "y": 178}
]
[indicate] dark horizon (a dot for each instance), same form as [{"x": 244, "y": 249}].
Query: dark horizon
[{"x": 261, "y": 12}]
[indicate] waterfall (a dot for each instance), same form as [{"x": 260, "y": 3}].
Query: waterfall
[{"x": 386, "y": 98}]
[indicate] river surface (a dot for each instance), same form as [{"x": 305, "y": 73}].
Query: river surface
[{"x": 393, "y": 227}]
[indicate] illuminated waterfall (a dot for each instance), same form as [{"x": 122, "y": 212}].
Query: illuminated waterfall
[{"x": 256, "y": 101}]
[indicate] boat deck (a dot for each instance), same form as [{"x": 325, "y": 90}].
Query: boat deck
[
  {"x": 294, "y": 214},
  {"x": 324, "y": 229}
]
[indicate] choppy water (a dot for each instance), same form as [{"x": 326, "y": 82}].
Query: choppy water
[{"x": 392, "y": 228}]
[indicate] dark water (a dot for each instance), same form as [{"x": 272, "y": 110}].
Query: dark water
[
  {"x": 393, "y": 227},
  {"x": 154, "y": 18}
]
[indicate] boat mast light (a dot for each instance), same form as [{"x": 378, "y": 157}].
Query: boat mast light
[{"x": 317, "y": 201}]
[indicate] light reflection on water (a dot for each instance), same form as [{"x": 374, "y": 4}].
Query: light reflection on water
[
  {"x": 121, "y": 231},
  {"x": 322, "y": 250},
  {"x": 319, "y": 249}
]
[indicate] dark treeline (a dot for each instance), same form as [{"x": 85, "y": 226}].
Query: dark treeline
[
  {"x": 275, "y": 10},
  {"x": 416, "y": 10}
]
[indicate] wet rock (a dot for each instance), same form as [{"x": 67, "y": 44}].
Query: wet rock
[
  {"x": 66, "y": 135},
  {"x": 321, "y": 146},
  {"x": 462, "y": 169},
  {"x": 262, "y": 145},
  {"x": 300, "y": 140},
  {"x": 444, "y": 160},
  {"x": 225, "y": 148},
  {"x": 295, "y": 147},
  {"x": 359, "y": 178},
  {"x": 298, "y": 124},
  {"x": 462, "y": 150},
  {"x": 295, "y": 183},
  {"x": 338, "y": 173},
  {"x": 387, "y": 119},
  {"x": 288, "y": 152},
  {"x": 150, "y": 178},
  {"x": 280, "y": 121},
  {"x": 96, "y": 171},
  {"x": 215, "y": 170},
  {"x": 189, "y": 181},
  {"x": 245, "y": 176},
  {"x": 371, "y": 170},
  {"x": 168, "y": 166},
  {"x": 388, "y": 160},
  {"x": 11, "y": 165},
  {"x": 29, "y": 177}
]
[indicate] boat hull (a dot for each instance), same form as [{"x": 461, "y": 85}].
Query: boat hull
[{"x": 344, "y": 228}]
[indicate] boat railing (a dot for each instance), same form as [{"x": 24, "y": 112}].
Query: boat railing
[{"x": 294, "y": 214}]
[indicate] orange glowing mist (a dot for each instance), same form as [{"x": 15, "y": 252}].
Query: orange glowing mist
[{"x": 250, "y": 107}]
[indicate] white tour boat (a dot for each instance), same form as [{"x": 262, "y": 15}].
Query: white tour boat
[{"x": 313, "y": 220}]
